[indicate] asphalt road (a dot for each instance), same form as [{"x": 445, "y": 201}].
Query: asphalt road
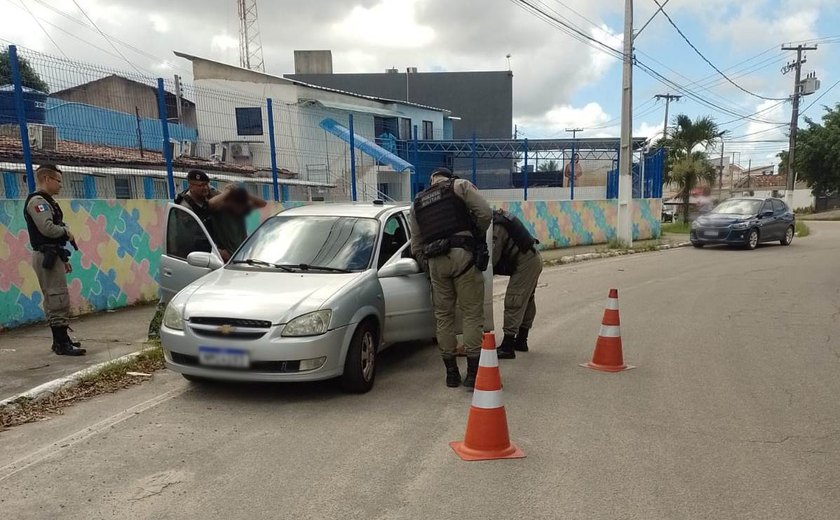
[{"x": 732, "y": 413}]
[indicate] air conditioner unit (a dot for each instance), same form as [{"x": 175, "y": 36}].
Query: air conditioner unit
[
  {"x": 174, "y": 148},
  {"x": 218, "y": 152},
  {"x": 187, "y": 148},
  {"x": 42, "y": 137},
  {"x": 240, "y": 150}
]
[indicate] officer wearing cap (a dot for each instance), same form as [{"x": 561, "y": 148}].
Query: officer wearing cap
[
  {"x": 515, "y": 255},
  {"x": 448, "y": 224},
  {"x": 48, "y": 236},
  {"x": 199, "y": 196},
  {"x": 228, "y": 223}
]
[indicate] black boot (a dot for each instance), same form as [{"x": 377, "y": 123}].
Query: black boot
[
  {"x": 453, "y": 375},
  {"x": 73, "y": 342},
  {"x": 521, "y": 343},
  {"x": 505, "y": 350},
  {"x": 472, "y": 371},
  {"x": 63, "y": 345}
]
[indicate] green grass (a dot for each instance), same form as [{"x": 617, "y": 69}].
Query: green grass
[
  {"x": 802, "y": 229},
  {"x": 677, "y": 228}
]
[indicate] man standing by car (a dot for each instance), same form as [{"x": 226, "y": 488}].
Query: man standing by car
[
  {"x": 48, "y": 236},
  {"x": 200, "y": 197},
  {"x": 228, "y": 223},
  {"x": 515, "y": 255},
  {"x": 448, "y": 224}
]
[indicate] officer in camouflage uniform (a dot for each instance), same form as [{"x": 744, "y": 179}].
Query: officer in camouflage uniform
[
  {"x": 48, "y": 236},
  {"x": 449, "y": 221},
  {"x": 515, "y": 255}
]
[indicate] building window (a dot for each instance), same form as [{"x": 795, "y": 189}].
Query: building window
[
  {"x": 405, "y": 129},
  {"x": 428, "y": 130},
  {"x": 249, "y": 121},
  {"x": 122, "y": 187}
]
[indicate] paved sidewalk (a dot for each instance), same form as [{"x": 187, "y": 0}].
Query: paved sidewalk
[{"x": 26, "y": 360}]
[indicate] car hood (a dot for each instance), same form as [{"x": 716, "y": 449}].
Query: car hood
[
  {"x": 722, "y": 219},
  {"x": 263, "y": 295}
]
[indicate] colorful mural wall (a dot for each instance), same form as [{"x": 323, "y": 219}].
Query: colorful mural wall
[{"x": 120, "y": 243}]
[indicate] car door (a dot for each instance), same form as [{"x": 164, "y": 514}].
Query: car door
[
  {"x": 783, "y": 217},
  {"x": 185, "y": 234},
  {"x": 767, "y": 224},
  {"x": 408, "y": 298}
]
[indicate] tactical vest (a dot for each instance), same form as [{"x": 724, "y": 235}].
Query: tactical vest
[
  {"x": 441, "y": 213},
  {"x": 519, "y": 236},
  {"x": 36, "y": 238}
]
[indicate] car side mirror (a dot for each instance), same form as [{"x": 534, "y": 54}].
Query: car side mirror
[
  {"x": 402, "y": 267},
  {"x": 204, "y": 260}
]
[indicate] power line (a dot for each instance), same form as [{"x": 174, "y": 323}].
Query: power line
[
  {"x": 684, "y": 37},
  {"x": 821, "y": 96},
  {"x": 106, "y": 38},
  {"x": 23, "y": 3}
]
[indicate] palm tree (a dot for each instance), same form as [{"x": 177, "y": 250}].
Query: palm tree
[
  {"x": 687, "y": 162},
  {"x": 550, "y": 166}
]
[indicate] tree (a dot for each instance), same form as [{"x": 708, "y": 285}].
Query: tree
[
  {"x": 550, "y": 166},
  {"x": 818, "y": 153},
  {"x": 783, "y": 162},
  {"x": 28, "y": 76},
  {"x": 687, "y": 163}
]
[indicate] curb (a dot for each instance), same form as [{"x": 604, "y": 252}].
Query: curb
[
  {"x": 45, "y": 390},
  {"x": 571, "y": 259}
]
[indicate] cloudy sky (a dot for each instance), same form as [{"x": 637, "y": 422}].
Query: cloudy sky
[{"x": 558, "y": 81}]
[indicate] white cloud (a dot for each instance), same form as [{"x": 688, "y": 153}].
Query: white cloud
[
  {"x": 390, "y": 23},
  {"x": 160, "y": 23}
]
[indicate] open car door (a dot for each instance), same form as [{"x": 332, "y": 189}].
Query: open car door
[{"x": 185, "y": 234}]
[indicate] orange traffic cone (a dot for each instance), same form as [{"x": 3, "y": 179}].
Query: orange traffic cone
[
  {"x": 487, "y": 435},
  {"x": 488, "y": 340},
  {"x": 607, "y": 356}
]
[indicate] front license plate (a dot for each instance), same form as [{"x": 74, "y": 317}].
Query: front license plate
[
  {"x": 710, "y": 234},
  {"x": 223, "y": 357}
]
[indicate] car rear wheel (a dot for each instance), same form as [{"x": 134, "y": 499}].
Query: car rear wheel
[
  {"x": 360, "y": 365},
  {"x": 752, "y": 239},
  {"x": 789, "y": 232}
]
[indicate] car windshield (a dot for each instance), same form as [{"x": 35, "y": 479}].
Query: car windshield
[
  {"x": 322, "y": 244},
  {"x": 738, "y": 207}
]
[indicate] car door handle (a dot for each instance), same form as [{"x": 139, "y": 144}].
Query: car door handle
[{"x": 167, "y": 272}]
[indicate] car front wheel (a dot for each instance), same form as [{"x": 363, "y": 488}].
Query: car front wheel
[
  {"x": 698, "y": 245},
  {"x": 752, "y": 239},
  {"x": 788, "y": 236},
  {"x": 360, "y": 365}
]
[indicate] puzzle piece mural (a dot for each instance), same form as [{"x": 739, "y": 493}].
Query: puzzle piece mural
[{"x": 121, "y": 241}]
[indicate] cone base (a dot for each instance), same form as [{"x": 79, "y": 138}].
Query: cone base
[
  {"x": 468, "y": 454},
  {"x": 607, "y": 368}
]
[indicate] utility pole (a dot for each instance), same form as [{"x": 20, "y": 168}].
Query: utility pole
[
  {"x": 720, "y": 175},
  {"x": 794, "y": 118},
  {"x": 624, "y": 226},
  {"x": 668, "y": 98},
  {"x": 178, "y": 98},
  {"x": 574, "y": 131}
]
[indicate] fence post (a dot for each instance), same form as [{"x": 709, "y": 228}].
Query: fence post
[
  {"x": 474, "y": 165},
  {"x": 20, "y": 109},
  {"x": 352, "y": 160},
  {"x": 274, "y": 181},
  {"x": 525, "y": 193},
  {"x": 167, "y": 151},
  {"x": 572, "y": 178}
]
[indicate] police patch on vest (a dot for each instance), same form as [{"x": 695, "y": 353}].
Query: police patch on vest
[{"x": 40, "y": 208}]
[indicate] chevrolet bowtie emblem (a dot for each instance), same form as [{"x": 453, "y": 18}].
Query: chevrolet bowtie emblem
[{"x": 226, "y": 329}]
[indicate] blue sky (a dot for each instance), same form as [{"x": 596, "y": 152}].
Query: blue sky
[{"x": 558, "y": 81}]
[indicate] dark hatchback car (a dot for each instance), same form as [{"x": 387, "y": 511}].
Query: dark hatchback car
[{"x": 745, "y": 221}]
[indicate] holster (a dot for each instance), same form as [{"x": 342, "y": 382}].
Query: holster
[
  {"x": 438, "y": 247},
  {"x": 51, "y": 254}
]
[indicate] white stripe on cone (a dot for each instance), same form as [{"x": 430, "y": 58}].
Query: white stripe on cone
[
  {"x": 487, "y": 399},
  {"x": 488, "y": 358},
  {"x": 612, "y": 304},
  {"x": 610, "y": 331}
]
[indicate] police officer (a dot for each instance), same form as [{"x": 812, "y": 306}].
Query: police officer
[
  {"x": 515, "y": 255},
  {"x": 448, "y": 224},
  {"x": 199, "y": 196},
  {"x": 48, "y": 235}
]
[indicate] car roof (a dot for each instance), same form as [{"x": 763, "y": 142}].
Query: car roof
[{"x": 358, "y": 209}]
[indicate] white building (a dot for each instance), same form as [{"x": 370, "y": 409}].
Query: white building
[{"x": 232, "y": 121}]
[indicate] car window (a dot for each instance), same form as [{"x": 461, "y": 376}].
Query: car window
[
  {"x": 333, "y": 242},
  {"x": 738, "y": 207},
  {"x": 779, "y": 207},
  {"x": 768, "y": 206},
  {"x": 184, "y": 235},
  {"x": 394, "y": 236}
]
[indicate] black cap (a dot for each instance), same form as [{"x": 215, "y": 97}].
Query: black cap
[
  {"x": 197, "y": 176},
  {"x": 442, "y": 172}
]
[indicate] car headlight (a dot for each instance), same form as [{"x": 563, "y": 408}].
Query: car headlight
[
  {"x": 173, "y": 316},
  {"x": 312, "y": 324},
  {"x": 740, "y": 225},
  {"x": 695, "y": 224}
]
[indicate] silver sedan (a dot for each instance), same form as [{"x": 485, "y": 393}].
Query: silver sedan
[{"x": 314, "y": 293}]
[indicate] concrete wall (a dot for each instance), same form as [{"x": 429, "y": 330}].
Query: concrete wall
[{"x": 121, "y": 242}]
